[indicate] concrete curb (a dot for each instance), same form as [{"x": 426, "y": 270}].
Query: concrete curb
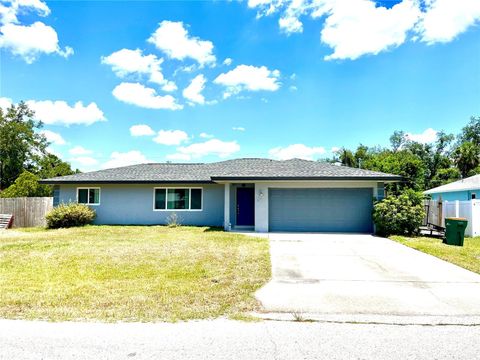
[{"x": 372, "y": 319}]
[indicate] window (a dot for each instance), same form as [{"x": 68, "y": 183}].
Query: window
[
  {"x": 177, "y": 199},
  {"x": 474, "y": 196},
  {"x": 90, "y": 196}
]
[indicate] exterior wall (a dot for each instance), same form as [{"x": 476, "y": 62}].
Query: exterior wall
[
  {"x": 456, "y": 195},
  {"x": 133, "y": 205},
  {"x": 261, "y": 195}
]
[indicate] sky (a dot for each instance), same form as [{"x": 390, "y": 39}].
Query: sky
[{"x": 123, "y": 82}]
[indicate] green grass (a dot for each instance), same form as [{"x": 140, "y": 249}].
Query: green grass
[
  {"x": 130, "y": 273},
  {"x": 467, "y": 256}
]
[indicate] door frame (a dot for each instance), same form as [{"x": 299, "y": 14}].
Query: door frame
[{"x": 252, "y": 189}]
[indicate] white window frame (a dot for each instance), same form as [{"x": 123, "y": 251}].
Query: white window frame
[
  {"x": 177, "y": 187},
  {"x": 88, "y": 198}
]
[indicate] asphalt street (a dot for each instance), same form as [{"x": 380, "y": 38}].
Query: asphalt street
[{"x": 226, "y": 339}]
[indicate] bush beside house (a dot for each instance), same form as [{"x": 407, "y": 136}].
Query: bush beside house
[
  {"x": 399, "y": 215},
  {"x": 70, "y": 215}
]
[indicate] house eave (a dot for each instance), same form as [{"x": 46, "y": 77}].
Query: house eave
[
  {"x": 73, "y": 182},
  {"x": 305, "y": 178}
]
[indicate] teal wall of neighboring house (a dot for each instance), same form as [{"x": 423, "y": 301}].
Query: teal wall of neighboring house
[
  {"x": 457, "y": 195},
  {"x": 133, "y": 205}
]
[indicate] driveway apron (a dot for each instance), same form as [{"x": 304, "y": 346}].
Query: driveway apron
[{"x": 363, "y": 274}]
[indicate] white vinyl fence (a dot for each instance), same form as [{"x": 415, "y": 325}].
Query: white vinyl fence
[
  {"x": 27, "y": 211},
  {"x": 469, "y": 210},
  {"x": 437, "y": 211}
]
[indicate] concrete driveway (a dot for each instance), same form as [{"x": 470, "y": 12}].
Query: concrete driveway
[{"x": 363, "y": 274}]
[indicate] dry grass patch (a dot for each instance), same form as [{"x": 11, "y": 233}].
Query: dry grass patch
[
  {"x": 130, "y": 273},
  {"x": 466, "y": 256}
]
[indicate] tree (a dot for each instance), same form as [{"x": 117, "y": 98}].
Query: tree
[
  {"x": 445, "y": 176},
  {"x": 346, "y": 157},
  {"x": 26, "y": 185},
  {"x": 471, "y": 132},
  {"x": 20, "y": 144},
  {"x": 466, "y": 157},
  {"x": 51, "y": 165},
  {"x": 435, "y": 156},
  {"x": 361, "y": 154},
  {"x": 404, "y": 163},
  {"x": 397, "y": 140}
]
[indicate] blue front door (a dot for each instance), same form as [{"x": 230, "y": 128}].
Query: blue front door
[{"x": 245, "y": 206}]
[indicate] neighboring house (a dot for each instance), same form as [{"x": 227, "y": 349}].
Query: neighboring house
[
  {"x": 462, "y": 190},
  {"x": 257, "y": 194}
]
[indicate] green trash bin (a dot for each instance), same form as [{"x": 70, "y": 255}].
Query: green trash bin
[{"x": 455, "y": 231}]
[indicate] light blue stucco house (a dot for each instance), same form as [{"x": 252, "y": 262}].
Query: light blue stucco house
[
  {"x": 462, "y": 190},
  {"x": 255, "y": 194}
]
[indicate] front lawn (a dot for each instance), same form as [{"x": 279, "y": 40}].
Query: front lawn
[
  {"x": 130, "y": 273},
  {"x": 467, "y": 256}
]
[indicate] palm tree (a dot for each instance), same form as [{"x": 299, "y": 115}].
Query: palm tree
[{"x": 466, "y": 157}]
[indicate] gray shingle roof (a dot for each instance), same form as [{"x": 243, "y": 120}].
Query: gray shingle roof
[{"x": 238, "y": 169}]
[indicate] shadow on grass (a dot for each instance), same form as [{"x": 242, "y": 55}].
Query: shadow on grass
[{"x": 213, "y": 229}]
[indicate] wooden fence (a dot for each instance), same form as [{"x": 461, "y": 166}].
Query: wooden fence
[
  {"x": 27, "y": 211},
  {"x": 434, "y": 213}
]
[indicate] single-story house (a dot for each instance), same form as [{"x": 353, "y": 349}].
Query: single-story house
[
  {"x": 462, "y": 190},
  {"x": 256, "y": 194}
]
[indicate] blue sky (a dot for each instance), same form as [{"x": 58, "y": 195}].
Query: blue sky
[{"x": 125, "y": 82}]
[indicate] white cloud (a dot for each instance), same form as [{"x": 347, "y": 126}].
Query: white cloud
[
  {"x": 206, "y": 136},
  {"x": 79, "y": 150},
  {"x": 60, "y": 113},
  {"x": 53, "y": 137},
  {"x": 30, "y": 41},
  {"x": 247, "y": 77},
  {"x": 193, "y": 92},
  {"x": 227, "y": 62},
  {"x": 173, "y": 39},
  {"x": 127, "y": 62},
  {"x": 5, "y": 103},
  {"x": 141, "y": 130},
  {"x": 8, "y": 14},
  {"x": 299, "y": 151},
  {"x": 356, "y": 28},
  {"x": 85, "y": 160},
  {"x": 169, "y": 86},
  {"x": 290, "y": 24},
  {"x": 334, "y": 149},
  {"x": 428, "y": 136},
  {"x": 238, "y": 128},
  {"x": 445, "y": 19},
  {"x": 118, "y": 159},
  {"x": 293, "y": 88},
  {"x": 139, "y": 95},
  {"x": 353, "y": 28},
  {"x": 211, "y": 147},
  {"x": 171, "y": 137}
]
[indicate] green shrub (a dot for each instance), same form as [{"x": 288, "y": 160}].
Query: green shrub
[
  {"x": 70, "y": 215},
  {"x": 399, "y": 215}
]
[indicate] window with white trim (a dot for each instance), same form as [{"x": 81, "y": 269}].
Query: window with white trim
[
  {"x": 89, "y": 196},
  {"x": 178, "y": 199}
]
